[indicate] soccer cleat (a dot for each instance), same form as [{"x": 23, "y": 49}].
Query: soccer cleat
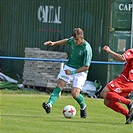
[
  {"x": 46, "y": 107},
  {"x": 83, "y": 113},
  {"x": 130, "y": 107},
  {"x": 129, "y": 119}
]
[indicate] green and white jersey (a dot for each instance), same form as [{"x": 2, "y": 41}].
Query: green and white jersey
[{"x": 80, "y": 56}]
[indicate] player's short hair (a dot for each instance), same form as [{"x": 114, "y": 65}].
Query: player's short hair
[{"x": 77, "y": 31}]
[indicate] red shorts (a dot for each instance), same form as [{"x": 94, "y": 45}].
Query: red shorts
[{"x": 121, "y": 86}]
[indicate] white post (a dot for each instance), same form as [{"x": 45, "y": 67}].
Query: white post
[
  {"x": 61, "y": 66},
  {"x": 131, "y": 43}
]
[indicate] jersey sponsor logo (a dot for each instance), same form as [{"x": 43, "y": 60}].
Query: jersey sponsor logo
[
  {"x": 112, "y": 85},
  {"x": 80, "y": 52},
  {"x": 118, "y": 90},
  {"x": 72, "y": 47}
]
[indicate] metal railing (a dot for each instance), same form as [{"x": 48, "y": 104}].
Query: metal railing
[{"x": 57, "y": 60}]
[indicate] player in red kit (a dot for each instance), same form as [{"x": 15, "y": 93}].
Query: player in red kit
[{"x": 116, "y": 91}]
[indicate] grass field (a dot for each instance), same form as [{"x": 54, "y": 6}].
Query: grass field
[{"x": 22, "y": 113}]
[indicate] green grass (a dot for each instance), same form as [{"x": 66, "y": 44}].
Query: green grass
[{"x": 22, "y": 113}]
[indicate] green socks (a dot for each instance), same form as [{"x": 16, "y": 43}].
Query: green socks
[
  {"x": 80, "y": 100},
  {"x": 54, "y": 95}
]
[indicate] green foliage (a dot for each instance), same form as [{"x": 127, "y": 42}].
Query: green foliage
[
  {"x": 8, "y": 85},
  {"x": 22, "y": 113}
]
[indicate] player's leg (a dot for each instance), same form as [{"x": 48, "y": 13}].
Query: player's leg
[
  {"x": 61, "y": 83},
  {"x": 54, "y": 95},
  {"x": 116, "y": 106},
  {"x": 80, "y": 100},
  {"x": 78, "y": 97},
  {"x": 117, "y": 90},
  {"x": 78, "y": 82},
  {"x": 113, "y": 103},
  {"x": 114, "y": 96}
]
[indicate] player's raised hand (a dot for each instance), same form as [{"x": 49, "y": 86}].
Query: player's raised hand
[
  {"x": 106, "y": 48},
  {"x": 49, "y": 43}
]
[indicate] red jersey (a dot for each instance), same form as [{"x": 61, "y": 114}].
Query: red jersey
[{"x": 127, "y": 72}]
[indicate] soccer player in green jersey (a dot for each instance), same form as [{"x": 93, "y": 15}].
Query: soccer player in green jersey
[{"x": 75, "y": 69}]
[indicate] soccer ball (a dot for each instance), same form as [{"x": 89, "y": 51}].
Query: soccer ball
[{"x": 69, "y": 111}]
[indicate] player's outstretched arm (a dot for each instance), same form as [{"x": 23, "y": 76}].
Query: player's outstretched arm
[
  {"x": 115, "y": 55},
  {"x": 61, "y": 42}
]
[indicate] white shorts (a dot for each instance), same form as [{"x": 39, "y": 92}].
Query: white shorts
[{"x": 78, "y": 78}]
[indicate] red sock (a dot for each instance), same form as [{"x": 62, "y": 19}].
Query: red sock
[
  {"x": 117, "y": 98},
  {"x": 117, "y": 107}
]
